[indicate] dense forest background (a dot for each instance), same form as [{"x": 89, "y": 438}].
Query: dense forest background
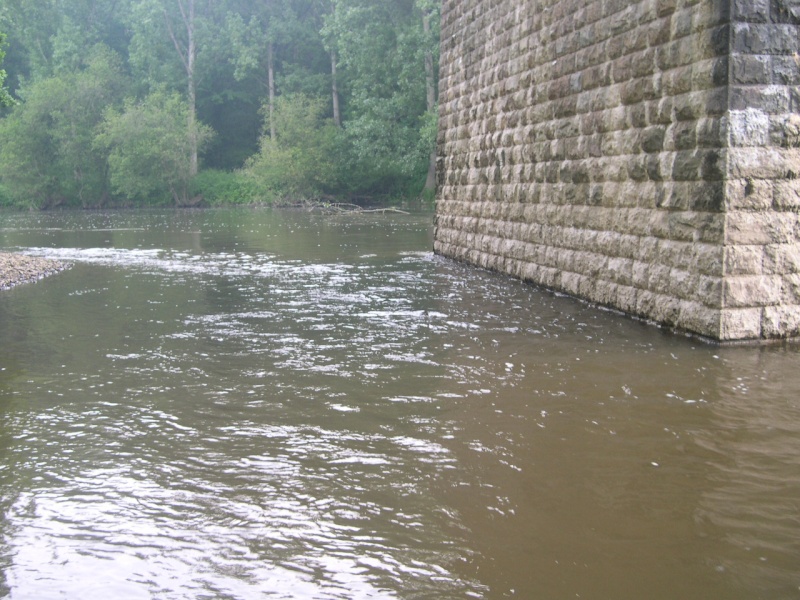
[{"x": 152, "y": 102}]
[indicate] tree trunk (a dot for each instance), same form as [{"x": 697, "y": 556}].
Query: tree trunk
[
  {"x": 337, "y": 115},
  {"x": 271, "y": 85},
  {"x": 192, "y": 54},
  {"x": 430, "y": 180},
  {"x": 188, "y": 55}
]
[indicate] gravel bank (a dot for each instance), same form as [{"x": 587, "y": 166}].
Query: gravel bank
[{"x": 17, "y": 268}]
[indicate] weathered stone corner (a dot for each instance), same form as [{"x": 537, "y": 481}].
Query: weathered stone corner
[{"x": 644, "y": 155}]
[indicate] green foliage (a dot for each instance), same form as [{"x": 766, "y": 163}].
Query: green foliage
[
  {"x": 31, "y": 24},
  {"x": 152, "y": 57},
  {"x": 381, "y": 45},
  {"x": 218, "y": 187},
  {"x": 149, "y": 148},
  {"x": 27, "y": 151},
  {"x": 46, "y": 153},
  {"x": 5, "y": 97},
  {"x": 5, "y": 198},
  {"x": 49, "y": 36},
  {"x": 292, "y": 28},
  {"x": 300, "y": 162},
  {"x": 383, "y": 54},
  {"x": 234, "y": 118}
]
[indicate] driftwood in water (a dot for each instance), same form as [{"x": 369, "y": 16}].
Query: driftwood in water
[{"x": 341, "y": 207}]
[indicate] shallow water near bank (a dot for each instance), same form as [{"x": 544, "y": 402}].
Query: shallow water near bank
[{"x": 247, "y": 404}]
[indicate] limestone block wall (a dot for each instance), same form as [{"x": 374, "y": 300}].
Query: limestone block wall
[
  {"x": 641, "y": 154},
  {"x": 761, "y": 290}
]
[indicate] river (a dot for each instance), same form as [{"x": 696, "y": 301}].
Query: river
[{"x": 237, "y": 404}]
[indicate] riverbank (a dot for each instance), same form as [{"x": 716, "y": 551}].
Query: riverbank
[{"x": 18, "y": 268}]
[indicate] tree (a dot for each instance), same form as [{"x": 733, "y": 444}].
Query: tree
[
  {"x": 28, "y": 161},
  {"x": 254, "y": 51},
  {"x": 150, "y": 151},
  {"x": 297, "y": 150},
  {"x": 31, "y": 25},
  {"x": 186, "y": 47},
  {"x": 47, "y": 157},
  {"x": 382, "y": 46},
  {"x": 260, "y": 36},
  {"x": 49, "y": 36},
  {"x": 5, "y": 98},
  {"x": 167, "y": 45},
  {"x": 321, "y": 11},
  {"x": 100, "y": 85},
  {"x": 372, "y": 61},
  {"x": 430, "y": 13}
]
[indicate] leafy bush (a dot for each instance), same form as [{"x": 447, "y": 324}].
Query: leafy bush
[
  {"x": 149, "y": 148},
  {"x": 5, "y": 98},
  {"x": 46, "y": 154},
  {"x": 299, "y": 163},
  {"x": 5, "y": 198},
  {"x": 223, "y": 187}
]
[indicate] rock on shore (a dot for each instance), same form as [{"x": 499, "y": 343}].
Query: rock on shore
[{"x": 18, "y": 268}]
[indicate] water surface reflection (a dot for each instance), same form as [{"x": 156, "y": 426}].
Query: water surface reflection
[{"x": 241, "y": 404}]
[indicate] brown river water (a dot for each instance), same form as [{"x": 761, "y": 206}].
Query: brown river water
[{"x": 237, "y": 404}]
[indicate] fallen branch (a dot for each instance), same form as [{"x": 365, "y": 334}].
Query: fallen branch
[
  {"x": 342, "y": 207},
  {"x": 385, "y": 210}
]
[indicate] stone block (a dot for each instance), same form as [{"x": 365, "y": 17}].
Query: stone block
[
  {"x": 751, "y": 11},
  {"x": 763, "y": 38},
  {"x": 649, "y": 249},
  {"x": 620, "y": 270},
  {"x": 759, "y": 228},
  {"x": 665, "y": 8},
  {"x": 708, "y": 259},
  {"x": 791, "y": 289},
  {"x": 640, "y": 274},
  {"x": 782, "y": 258},
  {"x": 659, "y": 278},
  {"x": 698, "y": 318},
  {"x": 744, "y": 260},
  {"x": 781, "y": 321},
  {"x": 686, "y": 166},
  {"x": 739, "y": 324},
  {"x": 785, "y": 130},
  {"x": 761, "y": 163},
  {"x": 668, "y": 310},
  {"x": 752, "y": 69},
  {"x": 751, "y": 290},
  {"x": 682, "y": 136},
  {"x": 771, "y": 99},
  {"x": 786, "y": 194},
  {"x": 709, "y": 290},
  {"x": 749, "y": 127},
  {"x": 785, "y": 70},
  {"x": 689, "y": 106},
  {"x": 684, "y": 285},
  {"x": 749, "y": 194}
]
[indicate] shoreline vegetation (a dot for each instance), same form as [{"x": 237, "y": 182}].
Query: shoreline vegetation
[
  {"x": 329, "y": 204},
  {"x": 16, "y": 269},
  {"x": 151, "y": 103}
]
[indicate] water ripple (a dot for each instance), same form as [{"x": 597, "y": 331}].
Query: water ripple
[{"x": 238, "y": 405}]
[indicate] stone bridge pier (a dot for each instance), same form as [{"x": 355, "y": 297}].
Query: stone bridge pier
[{"x": 641, "y": 154}]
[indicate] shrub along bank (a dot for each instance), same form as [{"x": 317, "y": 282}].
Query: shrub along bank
[{"x": 182, "y": 102}]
